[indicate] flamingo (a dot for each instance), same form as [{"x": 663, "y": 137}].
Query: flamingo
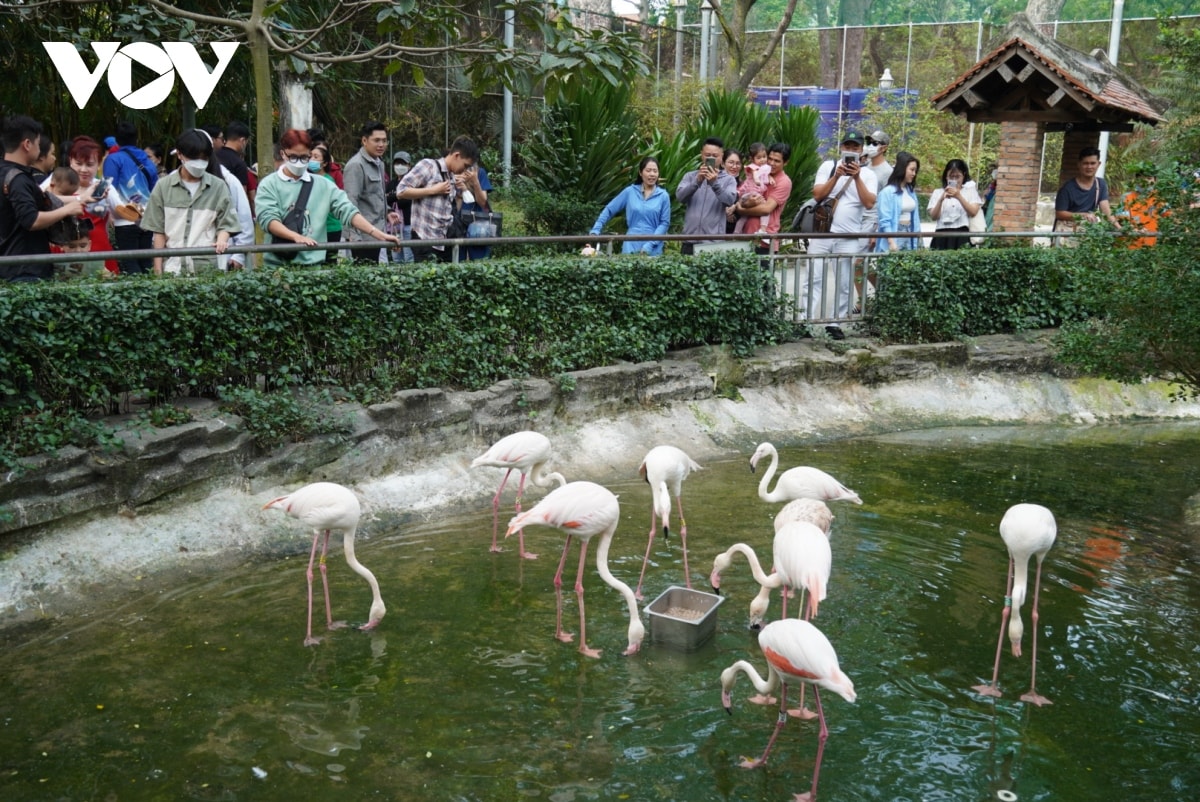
[
  {"x": 528, "y": 453},
  {"x": 803, "y": 482},
  {"x": 664, "y": 469},
  {"x": 326, "y": 506},
  {"x": 583, "y": 509},
  {"x": 811, "y": 510},
  {"x": 796, "y": 652},
  {"x": 803, "y": 560},
  {"x": 1028, "y": 530}
]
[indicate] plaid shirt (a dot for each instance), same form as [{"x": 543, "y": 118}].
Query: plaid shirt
[{"x": 430, "y": 215}]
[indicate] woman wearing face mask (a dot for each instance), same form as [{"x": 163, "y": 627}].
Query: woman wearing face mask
[
  {"x": 279, "y": 193},
  {"x": 318, "y": 164},
  {"x": 401, "y": 164},
  {"x": 191, "y": 208}
]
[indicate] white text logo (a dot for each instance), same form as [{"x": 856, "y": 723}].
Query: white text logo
[{"x": 117, "y": 60}]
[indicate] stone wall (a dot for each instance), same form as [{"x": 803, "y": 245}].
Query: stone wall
[{"x": 189, "y": 497}]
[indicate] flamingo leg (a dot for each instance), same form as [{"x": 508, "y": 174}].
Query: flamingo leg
[
  {"x": 687, "y": 579},
  {"x": 496, "y": 508},
  {"x": 1032, "y": 696},
  {"x": 583, "y": 647},
  {"x": 309, "y": 640},
  {"x": 521, "y": 535},
  {"x": 822, "y": 737},
  {"x": 637, "y": 594},
  {"x": 565, "y": 637},
  {"x": 779, "y": 722},
  {"x": 329, "y": 622},
  {"x": 991, "y": 689}
]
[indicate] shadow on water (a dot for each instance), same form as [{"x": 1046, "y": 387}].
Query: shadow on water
[{"x": 203, "y": 691}]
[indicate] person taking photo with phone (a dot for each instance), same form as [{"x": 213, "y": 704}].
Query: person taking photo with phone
[
  {"x": 706, "y": 192},
  {"x": 953, "y": 205}
]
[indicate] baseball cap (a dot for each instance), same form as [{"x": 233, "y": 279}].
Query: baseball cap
[
  {"x": 852, "y": 136},
  {"x": 402, "y": 156},
  {"x": 881, "y": 138}
]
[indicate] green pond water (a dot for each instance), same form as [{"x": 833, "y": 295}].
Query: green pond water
[{"x": 203, "y": 690}]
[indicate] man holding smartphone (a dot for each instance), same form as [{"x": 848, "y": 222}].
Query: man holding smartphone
[
  {"x": 706, "y": 193},
  {"x": 855, "y": 187}
]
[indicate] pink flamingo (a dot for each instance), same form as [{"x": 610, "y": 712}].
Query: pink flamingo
[
  {"x": 796, "y": 652},
  {"x": 803, "y": 482},
  {"x": 1028, "y": 530},
  {"x": 810, "y": 510},
  {"x": 664, "y": 469},
  {"x": 326, "y": 506},
  {"x": 583, "y": 509},
  {"x": 527, "y": 453}
]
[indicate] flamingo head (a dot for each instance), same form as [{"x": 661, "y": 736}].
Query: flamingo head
[
  {"x": 720, "y": 563},
  {"x": 1016, "y": 630},
  {"x": 378, "y": 611},
  {"x": 636, "y": 633},
  {"x": 758, "y": 608},
  {"x": 728, "y": 678},
  {"x": 759, "y": 453}
]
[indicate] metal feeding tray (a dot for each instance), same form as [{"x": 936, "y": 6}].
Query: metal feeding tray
[{"x": 683, "y": 618}]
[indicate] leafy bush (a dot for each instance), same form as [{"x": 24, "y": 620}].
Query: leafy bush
[
  {"x": 552, "y": 214},
  {"x": 282, "y": 417},
  {"x": 1146, "y": 301},
  {"x": 937, "y": 296}
]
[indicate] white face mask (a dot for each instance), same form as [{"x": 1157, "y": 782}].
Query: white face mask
[
  {"x": 296, "y": 169},
  {"x": 400, "y": 169},
  {"x": 871, "y": 151},
  {"x": 196, "y": 167}
]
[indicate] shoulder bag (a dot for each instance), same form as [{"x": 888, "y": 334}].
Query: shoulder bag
[{"x": 294, "y": 219}]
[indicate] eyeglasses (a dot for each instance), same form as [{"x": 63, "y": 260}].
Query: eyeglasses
[
  {"x": 297, "y": 158},
  {"x": 873, "y": 142}
]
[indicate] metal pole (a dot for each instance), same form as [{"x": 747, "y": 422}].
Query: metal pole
[
  {"x": 1114, "y": 48},
  {"x": 705, "y": 22},
  {"x": 978, "y": 53},
  {"x": 506, "y": 155},
  {"x": 842, "y": 83},
  {"x": 782, "y": 53},
  {"x": 679, "y": 9}
]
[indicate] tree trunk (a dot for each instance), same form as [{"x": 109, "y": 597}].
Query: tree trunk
[{"x": 1043, "y": 10}]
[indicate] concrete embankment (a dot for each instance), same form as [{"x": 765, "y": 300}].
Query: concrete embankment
[{"x": 187, "y": 499}]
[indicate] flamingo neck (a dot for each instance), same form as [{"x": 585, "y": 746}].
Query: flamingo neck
[
  {"x": 766, "y": 480},
  {"x": 636, "y": 628},
  {"x": 765, "y": 686},
  {"x": 541, "y": 478},
  {"x": 364, "y": 572},
  {"x": 760, "y": 576}
]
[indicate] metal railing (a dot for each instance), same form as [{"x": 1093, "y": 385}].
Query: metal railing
[{"x": 814, "y": 288}]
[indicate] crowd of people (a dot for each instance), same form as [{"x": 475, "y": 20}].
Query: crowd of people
[{"x": 119, "y": 196}]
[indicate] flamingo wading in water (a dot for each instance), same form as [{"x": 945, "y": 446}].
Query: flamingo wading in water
[
  {"x": 802, "y": 482},
  {"x": 796, "y": 652},
  {"x": 326, "y": 506},
  {"x": 664, "y": 469},
  {"x": 527, "y": 453},
  {"x": 1028, "y": 530},
  {"x": 583, "y": 510}
]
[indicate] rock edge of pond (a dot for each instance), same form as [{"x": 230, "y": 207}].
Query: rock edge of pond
[{"x": 186, "y": 499}]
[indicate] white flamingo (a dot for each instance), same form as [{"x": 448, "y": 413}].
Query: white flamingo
[
  {"x": 1028, "y": 530},
  {"x": 664, "y": 469},
  {"x": 810, "y": 510},
  {"x": 796, "y": 652},
  {"x": 583, "y": 510},
  {"x": 527, "y": 453},
  {"x": 802, "y": 482},
  {"x": 326, "y": 506}
]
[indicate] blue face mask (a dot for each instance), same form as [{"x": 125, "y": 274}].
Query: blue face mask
[{"x": 314, "y": 166}]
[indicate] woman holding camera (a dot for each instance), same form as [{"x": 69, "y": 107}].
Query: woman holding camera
[
  {"x": 953, "y": 205},
  {"x": 647, "y": 208}
]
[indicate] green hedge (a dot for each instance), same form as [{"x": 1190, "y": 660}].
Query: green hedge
[
  {"x": 938, "y": 296},
  {"x": 81, "y": 346}
]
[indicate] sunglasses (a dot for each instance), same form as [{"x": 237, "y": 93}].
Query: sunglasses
[{"x": 873, "y": 142}]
